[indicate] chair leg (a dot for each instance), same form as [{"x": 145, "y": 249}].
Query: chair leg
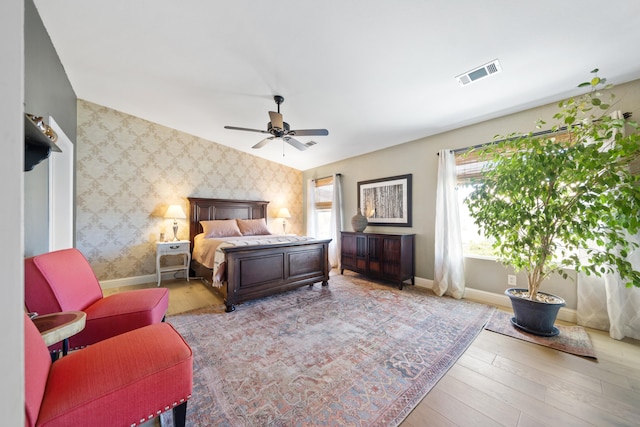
[{"x": 180, "y": 415}]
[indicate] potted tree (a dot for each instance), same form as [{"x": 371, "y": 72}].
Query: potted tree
[{"x": 562, "y": 199}]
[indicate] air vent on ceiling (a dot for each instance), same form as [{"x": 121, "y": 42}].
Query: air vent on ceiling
[{"x": 480, "y": 72}]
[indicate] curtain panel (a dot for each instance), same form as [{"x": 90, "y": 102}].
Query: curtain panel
[
  {"x": 605, "y": 303},
  {"x": 335, "y": 247},
  {"x": 449, "y": 259},
  {"x": 336, "y": 217}
]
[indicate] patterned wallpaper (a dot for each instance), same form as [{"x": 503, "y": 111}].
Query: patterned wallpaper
[{"x": 128, "y": 170}]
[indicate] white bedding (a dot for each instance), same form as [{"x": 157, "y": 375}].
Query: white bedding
[{"x": 207, "y": 251}]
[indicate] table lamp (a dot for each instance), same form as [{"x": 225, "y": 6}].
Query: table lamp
[
  {"x": 284, "y": 214},
  {"x": 175, "y": 212}
]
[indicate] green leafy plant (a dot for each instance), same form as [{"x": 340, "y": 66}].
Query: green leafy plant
[{"x": 566, "y": 198}]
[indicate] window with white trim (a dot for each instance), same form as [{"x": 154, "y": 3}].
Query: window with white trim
[
  {"x": 324, "y": 200},
  {"x": 474, "y": 243},
  {"x": 470, "y": 166}
]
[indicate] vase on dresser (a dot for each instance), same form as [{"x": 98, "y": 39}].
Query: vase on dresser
[{"x": 359, "y": 222}]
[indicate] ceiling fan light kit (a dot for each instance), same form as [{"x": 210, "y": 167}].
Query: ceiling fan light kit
[{"x": 278, "y": 128}]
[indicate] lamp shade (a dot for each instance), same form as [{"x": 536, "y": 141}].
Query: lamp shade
[
  {"x": 175, "y": 211},
  {"x": 284, "y": 213}
]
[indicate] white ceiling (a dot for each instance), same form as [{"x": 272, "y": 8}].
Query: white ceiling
[{"x": 374, "y": 73}]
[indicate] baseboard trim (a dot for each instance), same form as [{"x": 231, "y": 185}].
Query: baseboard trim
[
  {"x": 137, "y": 280},
  {"x": 424, "y": 283},
  {"x": 500, "y": 300},
  {"x": 128, "y": 281}
]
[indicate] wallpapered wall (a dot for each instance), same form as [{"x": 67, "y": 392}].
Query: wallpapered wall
[{"x": 128, "y": 170}]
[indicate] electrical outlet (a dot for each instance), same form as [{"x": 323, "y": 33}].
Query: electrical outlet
[{"x": 511, "y": 280}]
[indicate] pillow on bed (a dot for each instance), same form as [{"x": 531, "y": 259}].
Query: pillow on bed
[
  {"x": 253, "y": 227},
  {"x": 220, "y": 228}
]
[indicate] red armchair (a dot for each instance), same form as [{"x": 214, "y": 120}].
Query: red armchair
[
  {"x": 63, "y": 281},
  {"x": 122, "y": 381}
]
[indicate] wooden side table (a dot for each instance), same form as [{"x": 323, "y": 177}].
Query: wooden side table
[
  {"x": 56, "y": 327},
  {"x": 181, "y": 247}
]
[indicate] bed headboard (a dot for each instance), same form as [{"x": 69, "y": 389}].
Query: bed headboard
[{"x": 201, "y": 209}]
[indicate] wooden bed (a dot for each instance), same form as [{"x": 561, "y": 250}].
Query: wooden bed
[{"x": 259, "y": 270}]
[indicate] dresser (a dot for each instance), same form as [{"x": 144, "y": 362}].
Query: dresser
[{"x": 379, "y": 255}]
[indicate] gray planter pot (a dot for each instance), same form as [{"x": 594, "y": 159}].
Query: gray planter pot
[{"x": 535, "y": 317}]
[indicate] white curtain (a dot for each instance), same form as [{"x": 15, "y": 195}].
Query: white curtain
[
  {"x": 449, "y": 261},
  {"x": 311, "y": 208},
  {"x": 336, "y": 217},
  {"x": 335, "y": 246},
  {"x": 605, "y": 303}
]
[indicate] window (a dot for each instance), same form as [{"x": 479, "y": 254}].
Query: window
[
  {"x": 469, "y": 166},
  {"x": 324, "y": 200},
  {"x": 474, "y": 243}
]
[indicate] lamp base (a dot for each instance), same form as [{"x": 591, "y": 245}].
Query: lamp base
[{"x": 175, "y": 231}]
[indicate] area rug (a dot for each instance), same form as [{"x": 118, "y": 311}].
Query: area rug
[
  {"x": 571, "y": 339},
  {"x": 355, "y": 353}
]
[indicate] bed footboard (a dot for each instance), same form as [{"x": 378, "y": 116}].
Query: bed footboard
[{"x": 258, "y": 271}]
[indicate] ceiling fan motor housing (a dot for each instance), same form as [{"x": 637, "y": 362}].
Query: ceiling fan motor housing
[{"x": 278, "y": 133}]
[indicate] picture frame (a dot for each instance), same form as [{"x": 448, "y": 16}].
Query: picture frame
[{"x": 386, "y": 201}]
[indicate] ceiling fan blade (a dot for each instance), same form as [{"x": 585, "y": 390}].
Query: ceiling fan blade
[
  {"x": 295, "y": 143},
  {"x": 309, "y": 132},
  {"x": 247, "y": 129},
  {"x": 263, "y": 142},
  {"x": 276, "y": 120}
]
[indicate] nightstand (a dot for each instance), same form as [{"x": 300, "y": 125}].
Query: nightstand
[{"x": 181, "y": 247}]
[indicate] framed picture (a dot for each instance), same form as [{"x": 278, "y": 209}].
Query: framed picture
[{"x": 386, "y": 201}]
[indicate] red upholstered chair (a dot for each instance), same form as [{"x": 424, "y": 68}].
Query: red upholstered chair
[
  {"x": 63, "y": 281},
  {"x": 122, "y": 381}
]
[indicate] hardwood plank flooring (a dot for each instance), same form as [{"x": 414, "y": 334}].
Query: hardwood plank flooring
[{"x": 502, "y": 381}]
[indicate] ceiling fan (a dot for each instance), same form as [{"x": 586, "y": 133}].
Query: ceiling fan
[{"x": 278, "y": 128}]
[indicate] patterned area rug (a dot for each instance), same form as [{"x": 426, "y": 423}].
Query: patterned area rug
[
  {"x": 572, "y": 339},
  {"x": 355, "y": 353}
]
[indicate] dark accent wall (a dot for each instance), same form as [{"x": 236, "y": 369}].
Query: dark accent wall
[{"x": 48, "y": 92}]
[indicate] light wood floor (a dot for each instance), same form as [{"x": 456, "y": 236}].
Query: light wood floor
[{"x": 507, "y": 382}]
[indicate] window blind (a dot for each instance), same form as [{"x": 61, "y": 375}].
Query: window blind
[
  {"x": 634, "y": 166},
  {"x": 324, "y": 192},
  {"x": 469, "y": 166},
  {"x": 470, "y": 163}
]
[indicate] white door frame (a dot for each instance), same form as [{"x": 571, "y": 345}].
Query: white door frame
[{"x": 61, "y": 215}]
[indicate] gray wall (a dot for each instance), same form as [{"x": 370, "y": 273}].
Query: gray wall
[
  {"x": 47, "y": 93},
  {"x": 420, "y": 159}
]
